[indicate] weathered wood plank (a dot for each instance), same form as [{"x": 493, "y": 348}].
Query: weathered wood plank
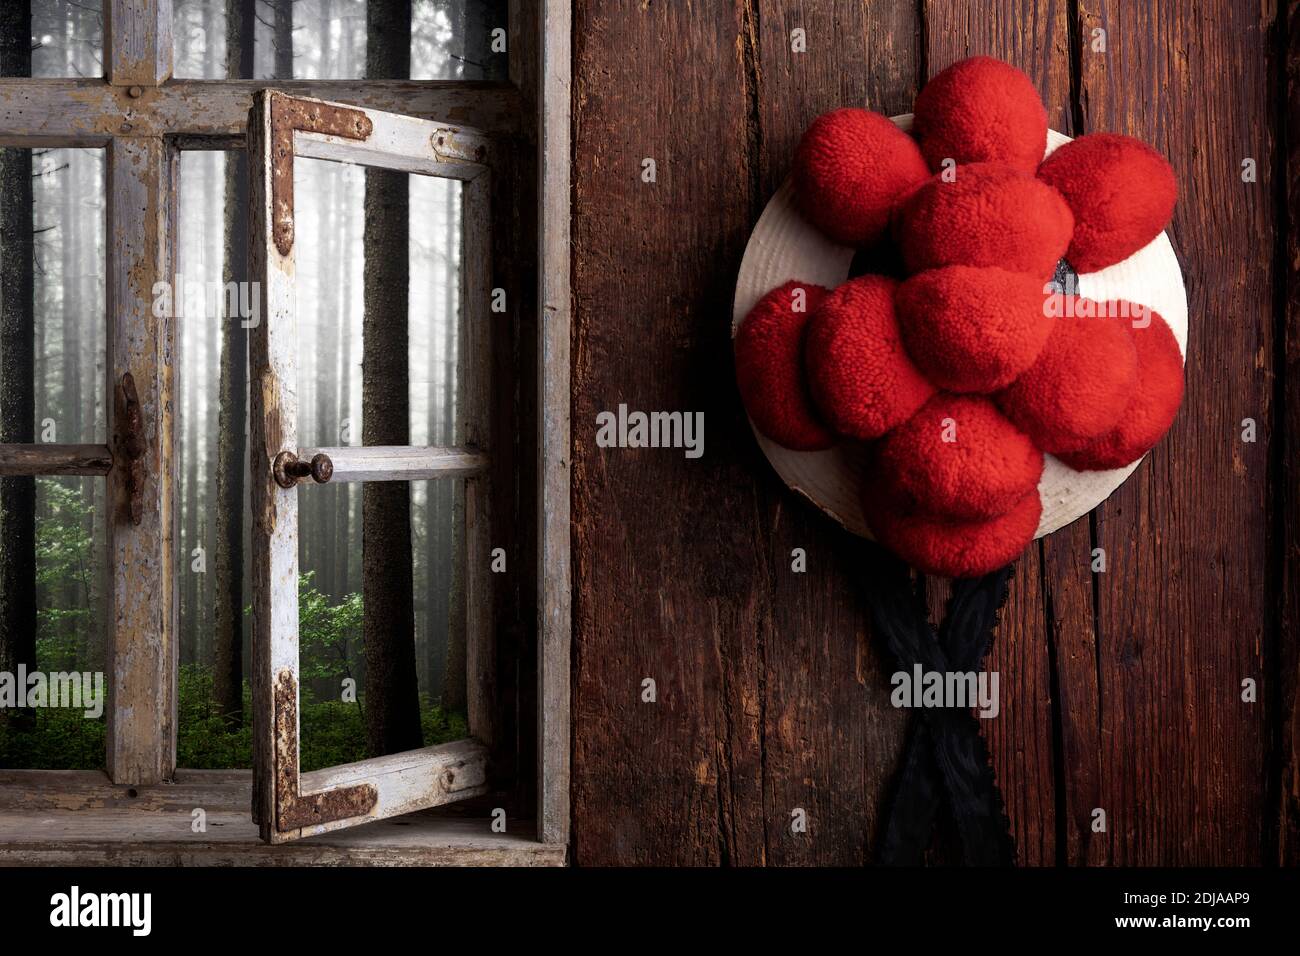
[
  {"x": 554, "y": 627},
  {"x": 60, "y": 817},
  {"x": 1185, "y": 604},
  {"x": 771, "y": 696},
  {"x": 1033, "y": 36},
  {"x": 474, "y": 424},
  {"x": 143, "y": 606},
  {"x": 88, "y": 112},
  {"x": 664, "y": 555},
  {"x": 55, "y": 459},
  {"x": 1288, "y": 66},
  {"x": 137, "y": 42},
  {"x": 405, "y": 782},
  {"x": 405, "y": 143},
  {"x": 273, "y": 427},
  {"x": 518, "y": 466},
  {"x": 399, "y": 462}
]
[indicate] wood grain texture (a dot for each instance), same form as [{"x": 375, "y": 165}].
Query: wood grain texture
[
  {"x": 140, "y": 736},
  {"x": 1120, "y": 690},
  {"x": 663, "y": 590},
  {"x": 55, "y": 459},
  {"x": 554, "y": 306},
  {"x": 1184, "y": 611},
  {"x": 1287, "y": 67},
  {"x": 399, "y": 462},
  {"x": 138, "y": 41},
  {"x": 88, "y": 112}
]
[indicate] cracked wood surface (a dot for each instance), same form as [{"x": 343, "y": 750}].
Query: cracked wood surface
[{"x": 1119, "y": 690}]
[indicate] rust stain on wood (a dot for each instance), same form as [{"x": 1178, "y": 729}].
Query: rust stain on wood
[
  {"x": 130, "y": 440},
  {"x": 310, "y": 116},
  {"x": 293, "y": 810}
]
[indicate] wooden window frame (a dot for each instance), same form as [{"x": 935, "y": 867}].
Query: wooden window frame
[
  {"x": 143, "y": 118},
  {"x": 287, "y": 803}
]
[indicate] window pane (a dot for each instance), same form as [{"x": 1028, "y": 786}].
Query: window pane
[
  {"x": 213, "y": 304},
  {"x": 326, "y": 39},
  {"x": 330, "y": 253},
  {"x": 329, "y": 206},
  {"x": 53, "y": 567},
  {"x": 426, "y": 670},
  {"x": 67, "y": 38}
]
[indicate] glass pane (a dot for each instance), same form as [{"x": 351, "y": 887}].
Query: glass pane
[
  {"x": 331, "y": 265},
  {"x": 213, "y": 305},
  {"x": 419, "y": 620},
  {"x": 67, "y": 38},
  {"x": 329, "y": 204},
  {"x": 53, "y": 566},
  {"x": 327, "y": 39},
  {"x": 201, "y": 323}
]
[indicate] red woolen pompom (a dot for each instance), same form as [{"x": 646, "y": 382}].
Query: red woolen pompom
[
  {"x": 980, "y": 110},
  {"x": 1121, "y": 191},
  {"x": 972, "y": 329},
  {"x": 1154, "y": 404},
  {"x": 769, "y": 367},
  {"x": 960, "y": 458},
  {"x": 989, "y": 215},
  {"x": 850, "y": 169},
  {"x": 1083, "y": 380},
  {"x": 862, "y": 381},
  {"x": 944, "y": 546}
]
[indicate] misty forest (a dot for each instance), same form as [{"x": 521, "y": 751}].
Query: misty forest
[{"x": 377, "y": 282}]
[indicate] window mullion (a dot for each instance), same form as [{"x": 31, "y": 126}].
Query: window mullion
[{"x": 142, "y": 651}]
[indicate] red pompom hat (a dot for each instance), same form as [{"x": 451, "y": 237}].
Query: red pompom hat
[
  {"x": 964, "y": 377},
  {"x": 949, "y": 547}
]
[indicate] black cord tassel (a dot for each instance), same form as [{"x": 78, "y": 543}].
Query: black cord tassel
[{"x": 945, "y": 755}]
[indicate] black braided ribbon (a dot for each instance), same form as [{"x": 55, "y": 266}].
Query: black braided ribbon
[{"x": 945, "y": 755}]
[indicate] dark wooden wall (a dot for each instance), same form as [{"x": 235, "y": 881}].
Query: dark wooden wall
[{"x": 1120, "y": 690}]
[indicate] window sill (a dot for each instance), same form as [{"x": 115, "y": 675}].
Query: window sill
[{"x": 79, "y": 818}]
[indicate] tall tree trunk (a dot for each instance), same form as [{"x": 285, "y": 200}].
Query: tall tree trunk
[
  {"x": 434, "y": 549},
  {"x": 342, "y": 498},
  {"x": 282, "y": 39},
  {"x": 17, "y": 359},
  {"x": 214, "y": 249},
  {"x": 456, "y": 664},
  {"x": 343, "y": 495},
  {"x": 392, "y": 693},
  {"x": 227, "y": 636},
  {"x": 478, "y": 18},
  {"x": 67, "y": 594}
]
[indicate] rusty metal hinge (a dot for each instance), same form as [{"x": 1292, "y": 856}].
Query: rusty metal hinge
[{"x": 130, "y": 442}]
